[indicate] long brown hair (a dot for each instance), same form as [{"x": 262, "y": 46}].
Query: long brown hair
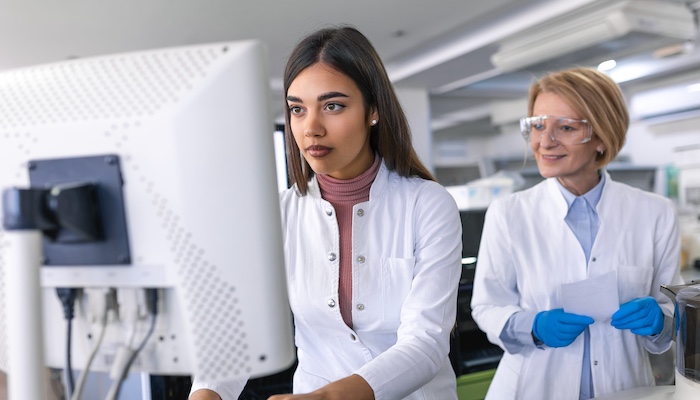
[{"x": 348, "y": 51}]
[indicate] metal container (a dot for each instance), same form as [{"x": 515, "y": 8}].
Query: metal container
[{"x": 688, "y": 333}]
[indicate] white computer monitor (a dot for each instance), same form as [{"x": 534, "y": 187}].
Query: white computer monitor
[{"x": 190, "y": 132}]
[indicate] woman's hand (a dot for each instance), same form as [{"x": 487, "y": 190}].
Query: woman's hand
[
  {"x": 642, "y": 316},
  {"x": 557, "y": 328},
  {"x": 354, "y": 387}
]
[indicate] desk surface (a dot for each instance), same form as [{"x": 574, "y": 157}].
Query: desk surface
[{"x": 642, "y": 393}]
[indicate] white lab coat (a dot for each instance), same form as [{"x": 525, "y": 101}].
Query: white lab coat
[
  {"x": 527, "y": 251},
  {"x": 407, "y": 249}
]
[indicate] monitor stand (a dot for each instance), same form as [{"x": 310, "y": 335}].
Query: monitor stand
[{"x": 24, "y": 315}]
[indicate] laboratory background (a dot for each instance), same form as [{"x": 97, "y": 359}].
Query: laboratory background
[{"x": 461, "y": 69}]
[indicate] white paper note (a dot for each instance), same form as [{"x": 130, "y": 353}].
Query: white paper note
[{"x": 595, "y": 297}]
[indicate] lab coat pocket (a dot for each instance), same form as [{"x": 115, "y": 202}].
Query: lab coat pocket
[
  {"x": 633, "y": 282},
  {"x": 397, "y": 275}
]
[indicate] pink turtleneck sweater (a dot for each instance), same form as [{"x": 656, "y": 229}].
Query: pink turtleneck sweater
[{"x": 343, "y": 195}]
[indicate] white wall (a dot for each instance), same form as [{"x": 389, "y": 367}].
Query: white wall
[
  {"x": 416, "y": 105},
  {"x": 650, "y": 143},
  {"x": 468, "y": 147}
]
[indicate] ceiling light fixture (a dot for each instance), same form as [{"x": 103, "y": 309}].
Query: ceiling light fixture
[
  {"x": 640, "y": 24},
  {"x": 607, "y": 65}
]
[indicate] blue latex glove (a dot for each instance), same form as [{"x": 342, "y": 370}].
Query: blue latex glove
[
  {"x": 557, "y": 328},
  {"x": 642, "y": 316}
]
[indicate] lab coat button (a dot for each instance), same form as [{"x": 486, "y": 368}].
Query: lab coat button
[
  {"x": 360, "y": 212},
  {"x": 361, "y": 259},
  {"x": 353, "y": 337},
  {"x": 595, "y": 362},
  {"x": 593, "y": 259},
  {"x": 331, "y": 303},
  {"x": 331, "y": 256},
  {"x": 360, "y": 307},
  {"x": 329, "y": 211}
]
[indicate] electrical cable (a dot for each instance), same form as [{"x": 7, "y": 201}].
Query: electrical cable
[
  {"x": 69, "y": 365},
  {"x": 152, "y": 303},
  {"x": 77, "y": 394},
  {"x": 67, "y": 297}
]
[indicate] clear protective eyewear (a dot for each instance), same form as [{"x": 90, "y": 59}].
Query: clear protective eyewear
[{"x": 566, "y": 131}]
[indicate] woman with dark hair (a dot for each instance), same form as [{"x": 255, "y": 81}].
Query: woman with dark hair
[
  {"x": 372, "y": 243},
  {"x": 347, "y": 51},
  {"x": 578, "y": 224}
]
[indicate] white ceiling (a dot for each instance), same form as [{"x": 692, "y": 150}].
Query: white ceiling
[{"x": 441, "y": 45}]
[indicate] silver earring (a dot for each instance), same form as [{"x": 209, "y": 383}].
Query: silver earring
[
  {"x": 602, "y": 152},
  {"x": 374, "y": 122}
]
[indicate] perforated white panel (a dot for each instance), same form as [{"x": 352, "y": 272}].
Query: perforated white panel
[{"x": 177, "y": 118}]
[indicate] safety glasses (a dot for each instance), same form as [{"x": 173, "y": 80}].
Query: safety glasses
[{"x": 566, "y": 131}]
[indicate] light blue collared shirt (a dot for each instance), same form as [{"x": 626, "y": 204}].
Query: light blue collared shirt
[
  {"x": 583, "y": 220},
  {"x": 582, "y": 217}
]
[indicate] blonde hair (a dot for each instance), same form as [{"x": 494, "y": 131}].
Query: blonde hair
[{"x": 596, "y": 98}]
